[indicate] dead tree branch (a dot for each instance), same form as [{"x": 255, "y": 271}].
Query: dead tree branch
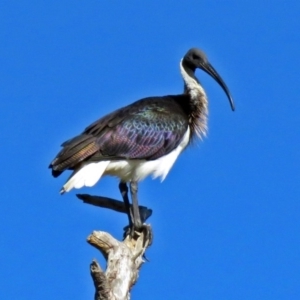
[
  {"x": 113, "y": 204},
  {"x": 124, "y": 258}
]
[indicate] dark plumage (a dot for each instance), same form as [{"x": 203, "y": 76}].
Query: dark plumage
[
  {"x": 142, "y": 138},
  {"x": 146, "y": 129}
]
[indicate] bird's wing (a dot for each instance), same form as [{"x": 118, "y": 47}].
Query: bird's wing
[{"x": 146, "y": 129}]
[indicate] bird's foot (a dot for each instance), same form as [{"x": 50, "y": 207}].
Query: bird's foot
[
  {"x": 135, "y": 232},
  {"x": 148, "y": 235},
  {"x": 127, "y": 231}
]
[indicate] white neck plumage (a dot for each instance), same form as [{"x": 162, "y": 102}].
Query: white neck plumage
[{"x": 198, "y": 103}]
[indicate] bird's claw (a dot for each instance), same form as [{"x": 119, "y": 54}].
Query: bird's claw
[
  {"x": 148, "y": 234},
  {"x": 135, "y": 232}
]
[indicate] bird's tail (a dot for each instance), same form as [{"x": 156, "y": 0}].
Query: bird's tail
[
  {"x": 87, "y": 175},
  {"x": 73, "y": 153}
]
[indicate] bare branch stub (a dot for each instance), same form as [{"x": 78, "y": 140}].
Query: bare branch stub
[
  {"x": 113, "y": 204},
  {"x": 124, "y": 259},
  {"x": 102, "y": 288}
]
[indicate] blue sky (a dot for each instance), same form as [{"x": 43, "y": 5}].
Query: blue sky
[{"x": 226, "y": 219}]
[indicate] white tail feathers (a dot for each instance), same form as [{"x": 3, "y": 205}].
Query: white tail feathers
[{"x": 88, "y": 175}]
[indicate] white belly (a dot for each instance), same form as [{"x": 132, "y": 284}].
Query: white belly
[{"x": 126, "y": 170}]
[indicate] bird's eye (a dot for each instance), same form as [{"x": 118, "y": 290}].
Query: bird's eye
[{"x": 195, "y": 56}]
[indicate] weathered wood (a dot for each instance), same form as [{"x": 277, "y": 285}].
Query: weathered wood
[
  {"x": 113, "y": 204},
  {"x": 124, "y": 259},
  {"x": 102, "y": 290}
]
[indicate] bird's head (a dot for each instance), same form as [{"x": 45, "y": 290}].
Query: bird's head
[{"x": 195, "y": 58}]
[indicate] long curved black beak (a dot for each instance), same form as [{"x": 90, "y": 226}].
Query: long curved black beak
[{"x": 209, "y": 69}]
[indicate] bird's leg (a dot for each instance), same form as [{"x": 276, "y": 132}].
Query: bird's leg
[
  {"x": 133, "y": 212},
  {"x": 137, "y": 223},
  {"x": 124, "y": 192},
  {"x": 134, "y": 216}
]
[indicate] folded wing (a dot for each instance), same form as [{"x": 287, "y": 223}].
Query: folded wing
[{"x": 146, "y": 129}]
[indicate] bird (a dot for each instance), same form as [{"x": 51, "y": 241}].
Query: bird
[{"x": 141, "y": 139}]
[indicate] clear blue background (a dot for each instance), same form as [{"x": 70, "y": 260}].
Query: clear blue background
[{"x": 227, "y": 218}]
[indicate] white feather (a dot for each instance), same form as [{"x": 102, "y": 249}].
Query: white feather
[
  {"x": 195, "y": 89},
  {"x": 88, "y": 175}
]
